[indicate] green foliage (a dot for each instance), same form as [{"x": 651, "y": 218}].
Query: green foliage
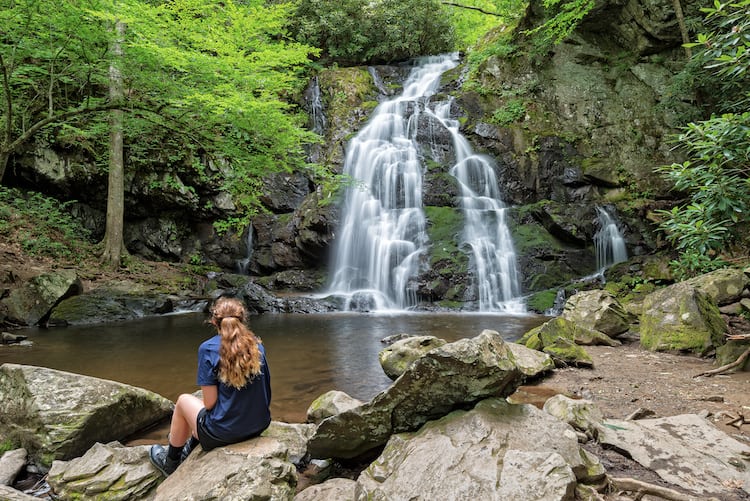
[
  {"x": 476, "y": 18},
  {"x": 724, "y": 52},
  {"x": 41, "y": 225},
  {"x": 362, "y": 31},
  {"x": 208, "y": 84},
  {"x": 562, "y": 18},
  {"x": 513, "y": 111},
  {"x": 716, "y": 176}
]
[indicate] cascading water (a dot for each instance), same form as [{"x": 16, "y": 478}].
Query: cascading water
[
  {"x": 315, "y": 104},
  {"x": 383, "y": 232},
  {"x": 243, "y": 265},
  {"x": 610, "y": 245},
  {"x": 485, "y": 232}
]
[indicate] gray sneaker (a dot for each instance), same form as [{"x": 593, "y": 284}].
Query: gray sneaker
[{"x": 159, "y": 459}]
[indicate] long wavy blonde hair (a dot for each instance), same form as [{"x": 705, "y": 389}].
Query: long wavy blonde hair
[{"x": 239, "y": 355}]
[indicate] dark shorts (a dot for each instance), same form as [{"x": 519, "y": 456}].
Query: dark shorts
[{"x": 207, "y": 440}]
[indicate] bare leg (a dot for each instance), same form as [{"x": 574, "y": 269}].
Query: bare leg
[{"x": 184, "y": 419}]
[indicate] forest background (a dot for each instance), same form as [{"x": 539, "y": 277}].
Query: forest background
[{"x": 214, "y": 88}]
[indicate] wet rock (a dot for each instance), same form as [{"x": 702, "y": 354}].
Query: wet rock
[
  {"x": 59, "y": 415},
  {"x": 8, "y": 338},
  {"x": 106, "y": 305},
  {"x": 30, "y": 304}
]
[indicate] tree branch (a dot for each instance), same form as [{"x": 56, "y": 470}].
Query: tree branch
[{"x": 451, "y": 4}]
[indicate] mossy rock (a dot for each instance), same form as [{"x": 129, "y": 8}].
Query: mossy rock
[
  {"x": 731, "y": 351},
  {"x": 542, "y": 301},
  {"x": 681, "y": 318},
  {"x": 566, "y": 353}
]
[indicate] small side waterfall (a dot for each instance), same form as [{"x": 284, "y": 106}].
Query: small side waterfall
[
  {"x": 610, "y": 245},
  {"x": 315, "y": 104},
  {"x": 485, "y": 231},
  {"x": 243, "y": 265},
  {"x": 382, "y": 233}
]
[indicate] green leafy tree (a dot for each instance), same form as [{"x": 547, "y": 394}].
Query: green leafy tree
[
  {"x": 716, "y": 177},
  {"x": 363, "y": 31},
  {"x": 53, "y": 66},
  {"x": 219, "y": 75}
]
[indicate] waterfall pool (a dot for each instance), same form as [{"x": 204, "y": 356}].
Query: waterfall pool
[{"x": 308, "y": 354}]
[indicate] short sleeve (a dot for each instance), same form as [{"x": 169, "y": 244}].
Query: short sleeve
[{"x": 206, "y": 369}]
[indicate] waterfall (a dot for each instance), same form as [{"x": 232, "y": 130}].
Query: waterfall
[
  {"x": 382, "y": 233},
  {"x": 315, "y": 104},
  {"x": 486, "y": 233},
  {"x": 610, "y": 246},
  {"x": 243, "y": 265}
]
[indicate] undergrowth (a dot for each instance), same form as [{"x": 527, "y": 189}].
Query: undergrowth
[{"x": 42, "y": 226}]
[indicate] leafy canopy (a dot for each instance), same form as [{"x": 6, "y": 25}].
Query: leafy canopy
[
  {"x": 365, "y": 31},
  {"x": 215, "y": 80}
]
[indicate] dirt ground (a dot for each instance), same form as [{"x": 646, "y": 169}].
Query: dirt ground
[{"x": 626, "y": 379}]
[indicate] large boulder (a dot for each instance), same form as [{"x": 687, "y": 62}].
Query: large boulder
[
  {"x": 59, "y": 415},
  {"x": 31, "y": 303},
  {"x": 597, "y": 310},
  {"x": 109, "y": 304},
  {"x": 454, "y": 375},
  {"x": 495, "y": 451},
  {"x": 685, "y": 450},
  {"x": 681, "y": 317},
  {"x": 260, "y": 469}
]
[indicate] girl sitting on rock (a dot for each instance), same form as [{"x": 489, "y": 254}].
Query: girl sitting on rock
[{"x": 236, "y": 384}]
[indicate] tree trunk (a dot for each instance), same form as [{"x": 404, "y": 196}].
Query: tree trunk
[
  {"x": 683, "y": 28},
  {"x": 4, "y": 159},
  {"x": 114, "y": 246}
]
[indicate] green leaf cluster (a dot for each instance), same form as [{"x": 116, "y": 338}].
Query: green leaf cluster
[
  {"x": 561, "y": 19},
  {"x": 365, "y": 31}
]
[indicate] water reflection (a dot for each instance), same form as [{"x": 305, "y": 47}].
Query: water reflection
[{"x": 307, "y": 354}]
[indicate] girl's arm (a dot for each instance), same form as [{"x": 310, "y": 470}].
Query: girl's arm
[{"x": 210, "y": 395}]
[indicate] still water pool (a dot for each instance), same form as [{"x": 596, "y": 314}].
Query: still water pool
[{"x": 307, "y": 354}]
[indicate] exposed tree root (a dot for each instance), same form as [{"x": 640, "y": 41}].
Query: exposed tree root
[
  {"x": 644, "y": 488},
  {"x": 724, "y": 368}
]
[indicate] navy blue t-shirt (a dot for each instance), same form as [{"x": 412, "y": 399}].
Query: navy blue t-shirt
[{"x": 238, "y": 413}]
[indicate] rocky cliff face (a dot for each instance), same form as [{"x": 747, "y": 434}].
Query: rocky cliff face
[{"x": 592, "y": 119}]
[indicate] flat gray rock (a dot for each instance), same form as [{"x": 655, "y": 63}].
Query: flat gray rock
[{"x": 685, "y": 450}]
